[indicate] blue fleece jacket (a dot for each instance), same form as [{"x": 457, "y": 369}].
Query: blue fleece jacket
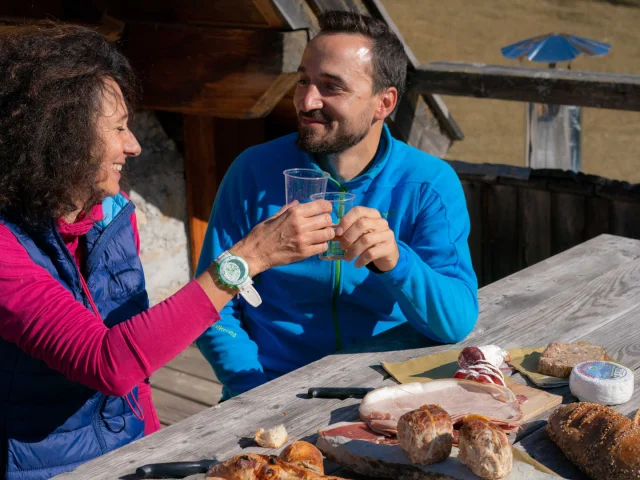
[{"x": 315, "y": 307}]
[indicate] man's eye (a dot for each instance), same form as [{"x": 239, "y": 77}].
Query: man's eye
[
  {"x": 302, "y": 81},
  {"x": 333, "y": 88}
]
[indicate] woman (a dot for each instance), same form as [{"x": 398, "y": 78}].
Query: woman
[{"x": 77, "y": 339}]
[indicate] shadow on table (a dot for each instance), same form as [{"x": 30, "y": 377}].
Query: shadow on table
[{"x": 402, "y": 337}]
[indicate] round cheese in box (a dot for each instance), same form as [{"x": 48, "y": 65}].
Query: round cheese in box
[{"x": 606, "y": 383}]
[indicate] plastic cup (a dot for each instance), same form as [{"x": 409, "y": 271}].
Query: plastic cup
[
  {"x": 341, "y": 202},
  {"x": 301, "y": 183}
]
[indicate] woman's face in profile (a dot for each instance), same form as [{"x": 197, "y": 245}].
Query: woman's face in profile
[{"x": 118, "y": 142}]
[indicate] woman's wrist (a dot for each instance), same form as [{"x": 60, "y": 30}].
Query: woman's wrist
[{"x": 250, "y": 254}]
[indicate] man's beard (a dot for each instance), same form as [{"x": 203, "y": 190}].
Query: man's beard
[{"x": 327, "y": 146}]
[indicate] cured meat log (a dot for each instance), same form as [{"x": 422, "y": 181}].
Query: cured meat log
[
  {"x": 426, "y": 434},
  {"x": 485, "y": 449},
  {"x": 489, "y": 353},
  {"x": 482, "y": 364},
  {"x": 600, "y": 441}
]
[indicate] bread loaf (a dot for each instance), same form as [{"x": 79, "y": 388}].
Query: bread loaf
[
  {"x": 304, "y": 455},
  {"x": 252, "y": 466},
  {"x": 600, "y": 441},
  {"x": 558, "y": 359}
]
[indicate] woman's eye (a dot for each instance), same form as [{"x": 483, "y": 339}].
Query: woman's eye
[
  {"x": 302, "y": 81},
  {"x": 121, "y": 129}
]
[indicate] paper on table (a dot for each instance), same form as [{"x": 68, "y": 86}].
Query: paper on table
[{"x": 525, "y": 361}]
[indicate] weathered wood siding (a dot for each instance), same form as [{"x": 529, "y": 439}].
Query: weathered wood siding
[{"x": 521, "y": 216}]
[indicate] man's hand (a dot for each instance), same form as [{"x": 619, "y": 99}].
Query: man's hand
[
  {"x": 295, "y": 232},
  {"x": 365, "y": 235}
]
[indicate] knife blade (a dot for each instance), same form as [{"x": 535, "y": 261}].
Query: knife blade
[
  {"x": 338, "y": 392},
  {"x": 174, "y": 469}
]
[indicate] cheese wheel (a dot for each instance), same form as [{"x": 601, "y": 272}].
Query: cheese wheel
[{"x": 606, "y": 383}]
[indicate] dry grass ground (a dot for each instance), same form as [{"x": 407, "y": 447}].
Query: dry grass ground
[{"x": 474, "y": 31}]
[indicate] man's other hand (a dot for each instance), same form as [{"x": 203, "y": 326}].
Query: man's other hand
[{"x": 365, "y": 235}]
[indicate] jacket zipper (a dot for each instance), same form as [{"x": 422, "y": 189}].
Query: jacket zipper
[{"x": 336, "y": 288}]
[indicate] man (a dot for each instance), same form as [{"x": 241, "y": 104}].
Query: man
[{"x": 406, "y": 240}]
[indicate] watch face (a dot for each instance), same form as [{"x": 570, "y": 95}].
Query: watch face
[{"x": 233, "y": 271}]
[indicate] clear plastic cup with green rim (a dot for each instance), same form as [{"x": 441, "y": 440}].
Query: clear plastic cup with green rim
[
  {"x": 301, "y": 183},
  {"x": 341, "y": 202}
]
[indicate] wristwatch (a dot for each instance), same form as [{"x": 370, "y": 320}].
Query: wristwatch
[{"x": 233, "y": 272}]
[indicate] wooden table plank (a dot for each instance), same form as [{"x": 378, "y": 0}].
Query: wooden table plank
[
  {"x": 172, "y": 408},
  {"x": 191, "y": 361},
  {"x": 187, "y": 386},
  {"x": 531, "y": 306}
]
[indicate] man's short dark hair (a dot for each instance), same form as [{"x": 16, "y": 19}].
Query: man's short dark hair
[{"x": 389, "y": 58}]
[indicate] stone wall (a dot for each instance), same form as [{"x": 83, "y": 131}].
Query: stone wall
[{"x": 155, "y": 181}]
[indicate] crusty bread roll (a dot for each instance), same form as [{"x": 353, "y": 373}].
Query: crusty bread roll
[
  {"x": 426, "y": 434},
  {"x": 252, "y": 466},
  {"x": 485, "y": 449},
  {"x": 273, "y": 438},
  {"x": 601, "y": 442},
  {"x": 304, "y": 455}
]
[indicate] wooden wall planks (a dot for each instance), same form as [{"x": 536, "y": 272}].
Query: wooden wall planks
[{"x": 517, "y": 222}]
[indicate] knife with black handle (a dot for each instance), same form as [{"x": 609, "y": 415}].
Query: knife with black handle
[
  {"x": 338, "y": 392},
  {"x": 174, "y": 469}
]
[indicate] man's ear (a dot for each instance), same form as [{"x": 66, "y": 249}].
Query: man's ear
[{"x": 387, "y": 103}]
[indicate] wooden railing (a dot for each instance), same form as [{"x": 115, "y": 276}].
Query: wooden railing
[{"x": 556, "y": 86}]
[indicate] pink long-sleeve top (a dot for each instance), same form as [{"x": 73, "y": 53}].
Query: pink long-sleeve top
[{"x": 44, "y": 320}]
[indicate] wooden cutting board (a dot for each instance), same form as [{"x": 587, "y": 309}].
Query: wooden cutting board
[{"x": 538, "y": 400}]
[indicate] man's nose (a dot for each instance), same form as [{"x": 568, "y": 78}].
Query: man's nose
[{"x": 312, "y": 99}]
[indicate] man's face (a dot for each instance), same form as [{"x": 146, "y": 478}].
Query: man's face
[{"x": 334, "y": 98}]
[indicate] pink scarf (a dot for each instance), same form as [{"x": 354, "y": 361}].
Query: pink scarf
[{"x": 71, "y": 232}]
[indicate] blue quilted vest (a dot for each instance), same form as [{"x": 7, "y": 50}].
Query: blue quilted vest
[{"x": 48, "y": 424}]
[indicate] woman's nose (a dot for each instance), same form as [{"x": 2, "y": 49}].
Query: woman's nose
[{"x": 132, "y": 148}]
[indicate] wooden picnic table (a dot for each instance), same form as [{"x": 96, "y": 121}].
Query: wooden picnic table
[{"x": 590, "y": 292}]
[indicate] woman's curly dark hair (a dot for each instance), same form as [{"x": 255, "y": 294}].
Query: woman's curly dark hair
[{"x": 52, "y": 77}]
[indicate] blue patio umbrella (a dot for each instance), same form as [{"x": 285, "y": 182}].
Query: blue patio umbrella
[{"x": 554, "y": 47}]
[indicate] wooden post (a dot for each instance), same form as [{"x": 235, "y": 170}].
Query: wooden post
[{"x": 210, "y": 146}]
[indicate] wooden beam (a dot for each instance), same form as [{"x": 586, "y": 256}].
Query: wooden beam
[
  {"x": 210, "y": 146},
  {"x": 297, "y": 15},
  {"x": 415, "y": 124},
  {"x": 224, "y": 13},
  {"x": 226, "y": 73},
  {"x": 555, "y": 86}
]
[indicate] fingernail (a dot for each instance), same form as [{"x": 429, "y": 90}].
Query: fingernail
[{"x": 339, "y": 231}]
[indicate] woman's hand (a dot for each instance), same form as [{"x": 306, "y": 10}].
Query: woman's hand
[{"x": 295, "y": 232}]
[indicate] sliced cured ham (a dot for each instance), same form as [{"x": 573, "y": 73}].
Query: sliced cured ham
[
  {"x": 382, "y": 407},
  {"x": 482, "y": 371}
]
